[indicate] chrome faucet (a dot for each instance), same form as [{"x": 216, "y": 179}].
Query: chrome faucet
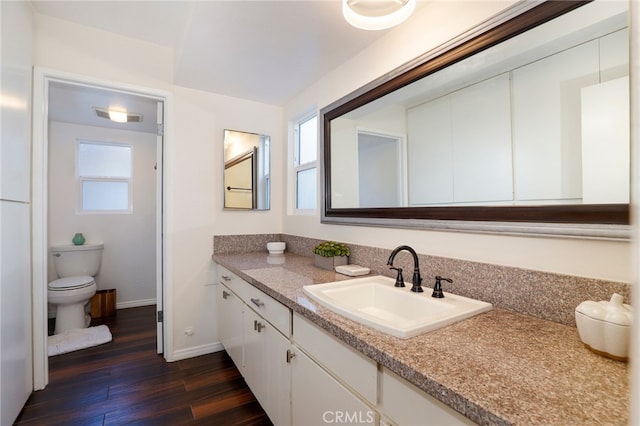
[{"x": 417, "y": 279}]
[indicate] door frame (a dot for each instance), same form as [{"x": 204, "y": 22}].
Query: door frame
[{"x": 39, "y": 225}]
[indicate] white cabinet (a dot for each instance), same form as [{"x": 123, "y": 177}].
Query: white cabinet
[
  {"x": 429, "y": 153},
  {"x": 330, "y": 382},
  {"x": 404, "y": 404},
  {"x": 459, "y": 147},
  {"x": 318, "y": 399},
  {"x": 605, "y": 142},
  {"x": 267, "y": 307},
  {"x": 266, "y": 370},
  {"x": 519, "y": 137},
  {"x": 15, "y": 308},
  {"x": 302, "y": 375},
  {"x": 16, "y": 345},
  {"x": 249, "y": 329},
  {"x": 481, "y": 134},
  {"x": 230, "y": 324},
  {"x": 357, "y": 371},
  {"x": 546, "y": 123},
  {"x": 15, "y": 109}
]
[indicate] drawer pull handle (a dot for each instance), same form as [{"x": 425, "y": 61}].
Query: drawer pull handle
[
  {"x": 225, "y": 294},
  {"x": 290, "y": 356},
  {"x": 226, "y": 277},
  {"x": 258, "y": 326},
  {"x": 257, "y": 302}
]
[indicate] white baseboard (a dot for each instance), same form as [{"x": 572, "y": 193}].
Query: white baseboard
[
  {"x": 195, "y": 351},
  {"x": 135, "y": 303}
]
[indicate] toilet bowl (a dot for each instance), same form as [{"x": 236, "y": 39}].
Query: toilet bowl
[
  {"x": 75, "y": 267},
  {"x": 70, "y": 295}
]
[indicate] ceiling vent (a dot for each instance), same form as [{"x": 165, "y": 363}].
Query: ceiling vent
[{"x": 118, "y": 116}]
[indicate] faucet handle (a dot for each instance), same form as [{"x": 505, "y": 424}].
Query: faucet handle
[
  {"x": 399, "y": 277},
  {"x": 437, "y": 288}
]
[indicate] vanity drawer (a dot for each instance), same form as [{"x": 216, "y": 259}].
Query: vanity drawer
[
  {"x": 267, "y": 307},
  {"x": 351, "y": 367},
  {"x": 227, "y": 277},
  {"x": 263, "y": 304}
]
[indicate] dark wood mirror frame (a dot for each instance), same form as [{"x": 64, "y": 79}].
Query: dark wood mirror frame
[{"x": 602, "y": 214}]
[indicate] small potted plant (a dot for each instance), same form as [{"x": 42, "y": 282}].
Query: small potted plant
[{"x": 330, "y": 254}]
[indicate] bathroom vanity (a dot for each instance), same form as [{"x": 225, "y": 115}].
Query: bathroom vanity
[{"x": 308, "y": 365}]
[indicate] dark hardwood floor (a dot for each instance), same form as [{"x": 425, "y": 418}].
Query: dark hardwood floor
[{"x": 126, "y": 382}]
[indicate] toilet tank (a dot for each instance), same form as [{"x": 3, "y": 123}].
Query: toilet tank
[{"x": 70, "y": 260}]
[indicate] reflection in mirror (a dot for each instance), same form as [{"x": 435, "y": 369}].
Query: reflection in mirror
[
  {"x": 246, "y": 171},
  {"x": 532, "y": 129}
]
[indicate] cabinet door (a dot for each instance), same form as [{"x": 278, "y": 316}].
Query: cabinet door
[
  {"x": 358, "y": 372},
  {"x": 15, "y": 86},
  {"x": 317, "y": 398},
  {"x": 404, "y": 404},
  {"x": 605, "y": 142},
  {"x": 277, "y": 401},
  {"x": 230, "y": 324},
  {"x": 430, "y": 153},
  {"x": 546, "y": 123},
  {"x": 266, "y": 369},
  {"x": 481, "y": 135},
  {"x": 459, "y": 146}
]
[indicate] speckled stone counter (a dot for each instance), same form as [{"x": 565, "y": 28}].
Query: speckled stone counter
[{"x": 499, "y": 367}]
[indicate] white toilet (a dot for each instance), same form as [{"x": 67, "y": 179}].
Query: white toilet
[{"x": 75, "y": 266}]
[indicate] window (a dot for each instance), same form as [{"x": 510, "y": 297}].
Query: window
[
  {"x": 104, "y": 177},
  {"x": 305, "y": 163}
]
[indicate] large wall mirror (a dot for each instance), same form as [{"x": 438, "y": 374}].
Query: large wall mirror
[
  {"x": 522, "y": 128},
  {"x": 246, "y": 171}
]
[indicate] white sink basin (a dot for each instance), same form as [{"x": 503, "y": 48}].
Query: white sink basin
[{"x": 375, "y": 302}]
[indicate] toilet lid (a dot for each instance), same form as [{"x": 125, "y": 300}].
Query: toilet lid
[{"x": 70, "y": 283}]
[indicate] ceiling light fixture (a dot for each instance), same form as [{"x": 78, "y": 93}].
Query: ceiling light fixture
[
  {"x": 377, "y": 14},
  {"x": 118, "y": 116}
]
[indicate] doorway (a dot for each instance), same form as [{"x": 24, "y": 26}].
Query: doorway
[
  {"x": 67, "y": 113},
  {"x": 381, "y": 181}
]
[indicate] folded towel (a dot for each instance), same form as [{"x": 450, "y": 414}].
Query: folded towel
[{"x": 80, "y": 338}]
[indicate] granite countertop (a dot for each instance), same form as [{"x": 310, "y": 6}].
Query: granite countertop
[{"x": 498, "y": 367}]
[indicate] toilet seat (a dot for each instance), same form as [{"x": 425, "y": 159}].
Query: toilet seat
[{"x": 70, "y": 283}]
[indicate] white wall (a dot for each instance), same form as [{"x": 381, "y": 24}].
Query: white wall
[
  {"x": 196, "y": 200},
  {"x": 193, "y": 164},
  {"x": 427, "y": 29},
  {"x": 129, "y": 255}
]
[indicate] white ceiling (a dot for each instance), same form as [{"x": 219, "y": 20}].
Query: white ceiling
[{"x": 266, "y": 51}]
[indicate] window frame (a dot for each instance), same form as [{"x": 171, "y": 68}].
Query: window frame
[
  {"x": 80, "y": 180},
  {"x": 297, "y": 167}
]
